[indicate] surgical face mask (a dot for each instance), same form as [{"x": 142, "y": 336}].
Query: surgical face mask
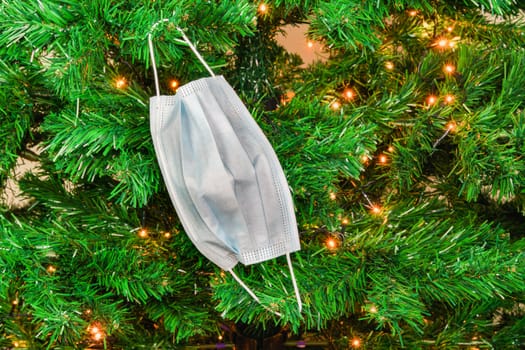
[{"x": 222, "y": 175}]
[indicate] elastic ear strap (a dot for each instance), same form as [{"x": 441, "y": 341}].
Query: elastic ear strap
[
  {"x": 194, "y": 49},
  {"x": 252, "y": 294},
  {"x": 153, "y": 64},
  {"x": 294, "y": 282}
]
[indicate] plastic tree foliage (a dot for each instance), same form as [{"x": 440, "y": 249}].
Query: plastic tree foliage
[{"x": 403, "y": 148}]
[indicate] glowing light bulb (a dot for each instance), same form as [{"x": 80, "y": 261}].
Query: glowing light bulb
[
  {"x": 449, "y": 98},
  {"x": 450, "y": 29},
  {"x": 51, "y": 269},
  {"x": 449, "y": 68},
  {"x": 263, "y": 8},
  {"x": 364, "y": 158},
  {"x": 442, "y": 43},
  {"x": 356, "y": 342},
  {"x": 219, "y": 337},
  {"x": 431, "y": 100},
  {"x": 331, "y": 243},
  {"x": 383, "y": 159},
  {"x": 451, "y": 126},
  {"x": 373, "y": 309},
  {"x": 121, "y": 83},
  {"x": 390, "y": 149},
  {"x": 345, "y": 221},
  {"x": 310, "y": 44},
  {"x": 143, "y": 233},
  {"x": 412, "y": 13},
  {"x": 97, "y": 336},
  {"x": 389, "y": 65},
  {"x": 349, "y": 94},
  {"x": 173, "y": 84},
  {"x": 375, "y": 209},
  {"x": 15, "y": 302},
  {"x": 335, "y": 105},
  {"x": 167, "y": 235},
  {"x": 333, "y": 196}
]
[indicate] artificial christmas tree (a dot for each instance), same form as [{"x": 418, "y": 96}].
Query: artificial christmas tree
[{"x": 403, "y": 151}]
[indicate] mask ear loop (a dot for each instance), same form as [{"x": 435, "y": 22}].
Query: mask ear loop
[
  {"x": 185, "y": 39},
  {"x": 194, "y": 49},
  {"x": 294, "y": 282},
  {"x": 252, "y": 294}
]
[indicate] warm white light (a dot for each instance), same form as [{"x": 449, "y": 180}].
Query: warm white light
[
  {"x": 449, "y": 98},
  {"x": 431, "y": 100},
  {"x": 449, "y": 68},
  {"x": 335, "y": 105},
  {"x": 310, "y": 44},
  {"x": 167, "y": 235},
  {"x": 349, "y": 94},
  {"x": 121, "y": 83},
  {"x": 143, "y": 233},
  {"x": 389, "y": 65},
  {"x": 174, "y": 84},
  {"x": 375, "y": 209},
  {"x": 390, "y": 149},
  {"x": 383, "y": 159},
  {"x": 373, "y": 309},
  {"x": 333, "y": 196},
  {"x": 412, "y": 13},
  {"x": 331, "y": 243},
  {"x": 263, "y": 8},
  {"x": 356, "y": 342},
  {"x": 51, "y": 269},
  {"x": 451, "y": 126}
]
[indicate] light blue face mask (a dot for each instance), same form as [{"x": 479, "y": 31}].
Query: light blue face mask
[{"x": 222, "y": 175}]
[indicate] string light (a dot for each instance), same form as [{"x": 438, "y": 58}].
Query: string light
[
  {"x": 449, "y": 98},
  {"x": 333, "y": 196},
  {"x": 431, "y": 100},
  {"x": 335, "y": 105},
  {"x": 174, "y": 84},
  {"x": 390, "y": 149},
  {"x": 389, "y": 65},
  {"x": 143, "y": 233},
  {"x": 450, "y": 29},
  {"x": 121, "y": 83},
  {"x": 449, "y": 68},
  {"x": 443, "y": 43},
  {"x": 412, "y": 13},
  {"x": 383, "y": 159},
  {"x": 51, "y": 269},
  {"x": 310, "y": 44},
  {"x": 373, "y": 309},
  {"x": 15, "y": 302},
  {"x": 349, "y": 94},
  {"x": 364, "y": 159},
  {"x": 331, "y": 243},
  {"x": 167, "y": 235},
  {"x": 263, "y": 8},
  {"x": 345, "y": 221},
  {"x": 356, "y": 342},
  {"x": 375, "y": 209},
  {"x": 449, "y": 128},
  {"x": 97, "y": 333}
]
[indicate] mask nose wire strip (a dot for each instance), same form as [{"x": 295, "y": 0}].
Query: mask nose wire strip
[
  {"x": 252, "y": 294},
  {"x": 294, "y": 282}
]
